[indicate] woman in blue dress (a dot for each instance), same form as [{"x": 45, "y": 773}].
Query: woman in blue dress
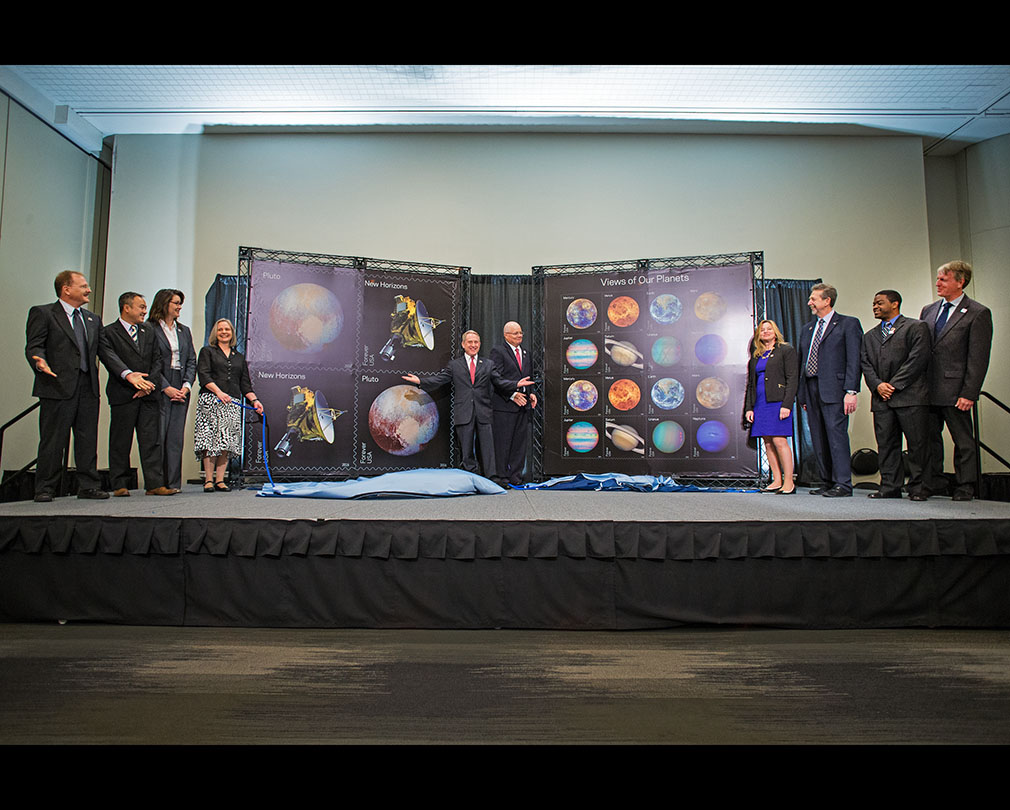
[{"x": 772, "y": 380}]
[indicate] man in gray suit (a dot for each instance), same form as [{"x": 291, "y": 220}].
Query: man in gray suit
[
  {"x": 961, "y": 332},
  {"x": 894, "y": 359}
]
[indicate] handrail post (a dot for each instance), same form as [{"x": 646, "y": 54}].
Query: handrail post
[{"x": 978, "y": 450}]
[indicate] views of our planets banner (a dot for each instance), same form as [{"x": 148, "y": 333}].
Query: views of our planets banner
[
  {"x": 645, "y": 372},
  {"x": 327, "y": 346}
]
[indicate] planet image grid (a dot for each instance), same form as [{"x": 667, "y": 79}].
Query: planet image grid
[
  {"x": 668, "y": 436},
  {"x": 712, "y": 436},
  {"x": 665, "y": 308},
  {"x": 623, "y": 311},
  {"x": 710, "y": 349},
  {"x": 581, "y": 313},
  {"x": 712, "y": 393},
  {"x": 306, "y": 317},
  {"x": 710, "y": 306},
  {"x": 624, "y": 394},
  {"x": 582, "y": 437},
  {"x": 667, "y": 393},
  {"x": 582, "y": 354},
  {"x": 402, "y": 420},
  {"x": 582, "y": 395},
  {"x": 667, "y": 351}
]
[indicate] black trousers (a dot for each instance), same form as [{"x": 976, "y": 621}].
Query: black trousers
[
  {"x": 143, "y": 416},
  {"x": 57, "y": 418},
  {"x": 959, "y": 425}
]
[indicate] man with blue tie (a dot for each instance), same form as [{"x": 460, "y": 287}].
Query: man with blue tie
[
  {"x": 830, "y": 353},
  {"x": 961, "y": 332}
]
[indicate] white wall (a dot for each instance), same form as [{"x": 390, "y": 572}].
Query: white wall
[{"x": 46, "y": 214}]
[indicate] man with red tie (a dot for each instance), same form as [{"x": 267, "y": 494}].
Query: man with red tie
[
  {"x": 472, "y": 379},
  {"x": 511, "y": 414}
]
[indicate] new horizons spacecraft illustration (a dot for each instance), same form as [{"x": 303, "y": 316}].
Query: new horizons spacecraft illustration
[
  {"x": 411, "y": 325},
  {"x": 309, "y": 418}
]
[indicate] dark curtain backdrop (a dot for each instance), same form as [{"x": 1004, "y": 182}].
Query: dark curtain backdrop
[
  {"x": 786, "y": 304},
  {"x": 228, "y": 297}
]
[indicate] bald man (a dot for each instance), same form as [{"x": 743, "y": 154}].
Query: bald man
[{"x": 511, "y": 423}]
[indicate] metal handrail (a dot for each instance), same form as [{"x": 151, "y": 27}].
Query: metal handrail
[
  {"x": 978, "y": 441},
  {"x": 3, "y": 429}
]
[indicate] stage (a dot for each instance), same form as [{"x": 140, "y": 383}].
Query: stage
[{"x": 523, "y": 559}]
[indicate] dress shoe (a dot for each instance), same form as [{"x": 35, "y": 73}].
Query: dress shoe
[
  {"x": 162, "y": 491},
  {"x": 837, "y": 492},
  {"x": 92, "y": 494},
  {"x": 962, "y": 495},
  {"x": 43, "y": 497},
  {"x": 819, "y": 490},
  {"x": 786, "y": 491},
  {"x": 885, "y": 495},
  {"x": 918, "y": 496},
  {"x": 122, "y": 492}
]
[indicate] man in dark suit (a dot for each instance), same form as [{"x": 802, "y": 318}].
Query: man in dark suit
[
  {"x": 61, "y": 344},
  {"x": 961, "y": 331},
  {"x": 512, "y": 414},
  {"x": 829, "y": 383},
  {"x": 472, "y": 380},
  {"x": 894, "y": 359},
  {"x": 129, "y": 349}
]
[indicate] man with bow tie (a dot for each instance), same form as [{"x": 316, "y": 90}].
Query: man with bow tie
[
  {"x": 472, "y": 380},
  {"x": 961, "y": 331},
  {"x": 829, "y": 383},
  {"x": 511, "y": 414},
  {"x": 894, "y": 359},
  {"x": 129, "y": 350}
]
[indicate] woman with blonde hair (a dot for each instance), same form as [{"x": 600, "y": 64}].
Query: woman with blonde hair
[
  {"x": 224, "y": 376},
  {"x": 772, "y": 381}
]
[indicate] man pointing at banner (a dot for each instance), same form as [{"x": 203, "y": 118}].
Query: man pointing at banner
[{"x": 472, "y": 381}]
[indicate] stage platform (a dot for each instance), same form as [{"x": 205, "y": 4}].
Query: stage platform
[{"x": 523, "y": 559}]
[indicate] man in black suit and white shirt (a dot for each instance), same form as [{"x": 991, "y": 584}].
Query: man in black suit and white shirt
[
  {"x": 829, "y": 382},
  {"x": 129, "y": 350},
  {"x": 895, "y": 356},
  {"x": 472, "y": 380},
  {"x": 61, "y": 344},
  {"x": 961, "y": 332},
  {"x": 511, "y": 415}
]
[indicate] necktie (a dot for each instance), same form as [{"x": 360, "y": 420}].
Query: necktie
[
  {"x": 814, "y": 346},
  {"x": 82, "y": 340},
  {"x": 133, "y": 332},
  {"x": 519, "y": 358},
  {"x": 886, "y": 330},
  {"x": 942, "y": 320},
  {"x": 473, "y": 371}
]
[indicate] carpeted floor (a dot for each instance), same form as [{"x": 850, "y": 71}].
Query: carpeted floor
[{"x": 97, "y": 684}]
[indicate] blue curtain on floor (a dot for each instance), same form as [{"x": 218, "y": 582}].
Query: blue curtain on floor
[{"x": 786, "y": 304}]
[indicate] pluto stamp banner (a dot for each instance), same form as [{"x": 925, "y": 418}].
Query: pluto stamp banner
[
  {"x": 645, "y": 372},
  {"x": 327, "y": 346}
]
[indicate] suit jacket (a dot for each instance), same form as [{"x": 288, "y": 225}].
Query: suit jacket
[
  {"x": 960, "y": 355},
  {"x": 120, "y": 353},
  {"x": 471, "y": 401},
  {"x": 781, "y": 378},
  {"x": 900, "y": 360},
  {"x": 187, "y": 354},
  {"x": 48, "y": 335},
  {"x": 504, "y": 359},
  {"x": 838, "y": 358}
]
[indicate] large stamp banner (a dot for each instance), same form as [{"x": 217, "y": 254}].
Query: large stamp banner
[
  {"x": 645, "y": 367},
  {"x": 328, "y": 338}
]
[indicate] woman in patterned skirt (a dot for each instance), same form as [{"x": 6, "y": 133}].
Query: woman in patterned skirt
[
  {"x": 772, "y": 380},
  {"x": 224, "y": 376}
]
